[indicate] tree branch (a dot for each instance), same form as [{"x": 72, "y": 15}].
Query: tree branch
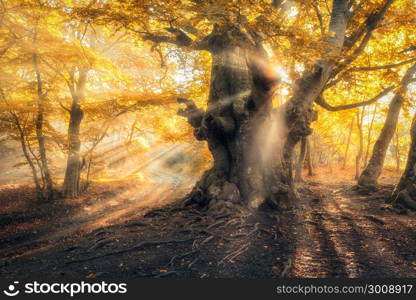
[
  {"x": 142, "y": 103},
  {"x": 323, "y": 103},
  {"x": 367, "y": 30},
  {"x": 382, "y": 67},
  {"x": 64, "y": 108},
  {"x": 191, "y": 112},
  {"x": 180, "y": 38},
  {"x": 320, "y": 19},
  {"x": 375, "y": 68}
]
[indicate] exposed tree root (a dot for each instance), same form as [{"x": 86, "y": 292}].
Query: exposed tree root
[
  {"x": 288, "y": 266},
  {"x": 234, "y": 254},
  {"x": 135, "y": 248},
  {"x": 180, "y": 256}
]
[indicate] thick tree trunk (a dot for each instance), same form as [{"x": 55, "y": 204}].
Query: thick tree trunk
[
  {"x": 301, "y": 160},
  {"x": 72, "y": 179},
  {"x": 374, "y": 168},
  {"x": 236, "y": 124},
  {"x": 252, "y": 145},
  {"x": 405, "y": 192}
]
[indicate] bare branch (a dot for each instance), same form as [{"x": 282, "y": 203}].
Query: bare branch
[
  {"x": 65, "y": 108},
  {"x": 375, "y": 68},
  {"x": 320, "y": 19},
  {"x": 382, "y": 67},
  {"x": 143, "y": 103},
  {"x": 365, "y": 31},
  {"x": 322, "y": 102},
  {"x": 191, "y": 112},
  {"x": 180, "y": 38},
  {"x": 412, "y": 48}
]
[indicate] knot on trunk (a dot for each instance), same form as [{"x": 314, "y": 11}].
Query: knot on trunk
[
  {"x": 301, "y": 121},
  {"x": 191, "y": 112},
  {"x": 220, "y": 125},
  {"x": 194, "y": 115}
]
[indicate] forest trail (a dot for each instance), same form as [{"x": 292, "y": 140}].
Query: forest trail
[
  {"x": 333, "y": 232},
  {"x": 342, "y": 233}
]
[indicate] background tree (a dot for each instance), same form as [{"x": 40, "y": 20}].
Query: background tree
[
  {"x": 405, "y": 191},
  {"x": 373, "y": 170}
]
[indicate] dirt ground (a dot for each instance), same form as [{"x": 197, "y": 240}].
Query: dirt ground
[{"x": 119, "y": 230}]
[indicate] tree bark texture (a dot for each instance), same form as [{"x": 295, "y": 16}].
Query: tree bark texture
[
  {"x": 233, "y": 124},
  {"x": 309, "y": 162},
  {"x": 71, "y": 187},
  {"x": 360, "y": 118}
]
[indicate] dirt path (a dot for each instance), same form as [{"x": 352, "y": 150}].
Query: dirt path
[
  {"x": 335, "y": 232},
  {"x": 340, "y": 233}
]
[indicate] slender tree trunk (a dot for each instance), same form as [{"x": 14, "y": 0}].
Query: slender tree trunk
[
  {"x": 72, "y": 179},
  {"x": 370, "y": 130},
  {"x": 348, "y": 144},
  {"x": 301, "y": 160},
  {"x": 309, "y": 157},
  {"x": 374, "y": 168},
  {"x": 331, "y": 169},
  {"x": 397, "y": 151},
  {"x": 38, "y": 188},
  {"x": 360, "y": 118},
  {"x": 405, "y": 191},
  {"x": 22, "y": 139},
  {"x": 37, "y": 161},
  {"x": 39, "y": 130}
]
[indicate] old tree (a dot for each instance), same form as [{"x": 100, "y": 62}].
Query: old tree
[
  {"x": 266, "y": 67},
  {"x": 251, "y": 141}
]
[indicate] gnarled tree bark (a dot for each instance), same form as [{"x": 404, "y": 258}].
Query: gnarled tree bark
[{"x": 239, "y": 103}]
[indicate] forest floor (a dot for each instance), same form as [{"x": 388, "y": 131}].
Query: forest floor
[{"x": 120, "y": 230}]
